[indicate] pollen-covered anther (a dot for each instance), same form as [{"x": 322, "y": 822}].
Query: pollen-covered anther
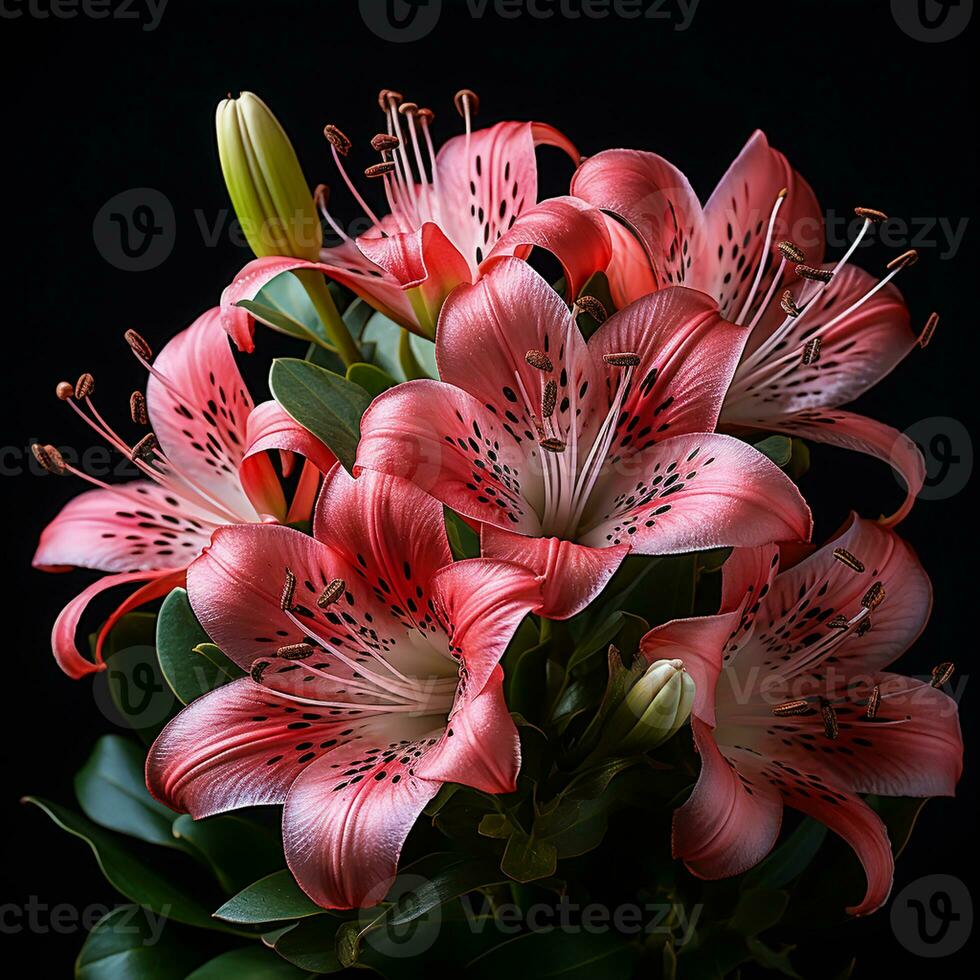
[
  {"x": 941, "y": 673},
  {"x": 333, "y": 591},
  {"x": 388, "y": 95},
  {"x": 788, "y": 304},
  {"x": 379, "y": 169},
  {"x": 811, "y": 351},
  {"x": 800, "y": 706},
  {"x": 337, "y": 139},
  {"x": 425, "y": 115},
  {"x": 384, "y": 142},
  {"x": 288, "y": 591},
  {"x": 552, "y": 445},
  {"x": 408, "y": 108},
  {"x": 838, "y": 623},
  {"x": 295, "y": 651},
  {"x": 466, "y": 98},
  {"x": 49, "y": 458},
  {"x": 928, "y": 330},
  {"x": 871, "y": 214},
  {"x": 874, "y": 597},
  {"x": 65, "y": 390},
  {"x": 874, "y": 702},
  {"x": 549, "y": 399},
  {"x": 258, "y": 669},
  {"x": 146, "y": 447},
  {"x": 594, "y": 307},
  {"x": 846, "y": 558},
  {"x": 812, "y": 273},
  {"x": 539, "y": 359},
  {"x": 84, "y": 386},
  {"x": 139, "y": 345},
  {"x": 830, "y": 727},
  {"x": 863, "y": 627},
  {"x": 137, "y": 408},
  {"x": 904, "y": 260},
  {"x": 791, "y": 251},
  {"x": 622, "y": 359}
]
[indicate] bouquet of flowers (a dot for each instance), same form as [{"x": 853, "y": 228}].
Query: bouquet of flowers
[{"x": 496, "y": 637}]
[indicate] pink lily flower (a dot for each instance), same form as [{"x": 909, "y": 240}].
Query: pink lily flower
[
  {"x": 373, "y": 680},
  {"x": 821, "y": 333},
  {"x": 571, "y": 453},
  {"x": 794, "y": 706},
  {"x": 452, "y": 215},
  {"x": 205, "y": 465}
]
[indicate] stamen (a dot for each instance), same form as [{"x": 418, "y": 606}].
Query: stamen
[
  {"x": 941, "y": 673},
  {"x": 549, "y": 399},
  {"x": 539, "y": 359},
  {"x": 846, "y": 558},
  {"x": 552, "y": 445},
  {"x": 337, "y": 139},
  {"x": 830, "y": 727},
  {"x": 874, "y": 597},
  {"x": 811, "y": 351},
  {"x": 928, "y": 330},
  {"x": 838, "y": 623},
  {"x": 788, "y": 304},
  {"x": 798, "y": 707},
  {"x": 863, "y": 627},
  {"x": 379, "y": 169},
  {"x": 467, "y": 102},
  {"x": 331, "y": 593},
  {"x": 137, "y": 408},
  {"x": 624, "y": 359},
  {"x": 871, "y": 214},
  {"x": 138, "y": 344},
  {"x": 593, "y": 306},
  {"x": 388, "y": 95},
  {"x": 425, "y": 115},
  {"x": 50, "y": 458},
  {"x": 65, "y": 390},
  {"x": 295, "y": 651},
  {"x": 145, "y": 448},
  {"x": 384, "y": 142},
  {"x": 904, "y": 260},
  {"x": 408, "y": 107},
  {"x": 84, "y": 386},
  {"x": 288, "y": 591},
  {"x": 258, "y": 669},
  {"x": 813, "y": 274},
  {"x": 874, "y": 702},
  {"x": 791, "y": 252}
]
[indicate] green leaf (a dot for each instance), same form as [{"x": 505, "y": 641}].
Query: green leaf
[
  {"x": 608, "y": 631},
  {"x": 111, "y": 791},
  {"x": 312, "y": 945},
  {"x": 225, "y": 668},
  {"x": 463, "y": 540},
  {"x": 284, "y": 304},
  {"x": 790, "y": 859},
  {"x": 371, "y": 378},
  {"x": 179, "y": 636},
  {"x": 777, "y": 448},
  {"x": 758, "y": 909},
  {"x": 900, "y": 814},
  {"x": 130, "y": 875},
  {"x": 271, "y": 899},
  {"x": 325, "y": 403},
  {"x": 558, "y": 953},
  {"x": 528, "y": 858},
  {"x": 131, "y": 942},
  {"x": 249, "y": 963}
]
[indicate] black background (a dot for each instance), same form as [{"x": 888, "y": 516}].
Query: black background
[{"x": 870, "y": 115}]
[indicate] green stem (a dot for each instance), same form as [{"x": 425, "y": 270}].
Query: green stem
[{"x": 326, "y": 310}]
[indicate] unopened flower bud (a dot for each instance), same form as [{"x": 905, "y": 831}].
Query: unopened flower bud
[{"x": 271, "y": 196}]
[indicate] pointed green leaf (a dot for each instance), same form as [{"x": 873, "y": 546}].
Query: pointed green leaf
[
  {"x": 249, "y": 963},
  {"x": 271, "y": 899}
]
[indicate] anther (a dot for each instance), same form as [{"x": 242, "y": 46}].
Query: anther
[
  {"x": 593, "y": 306},
  {"x": 846, "y": 558},
  {"x": 138, "y": 344},
  {"x": 838, "y": 623},
  {"x": 874, "y": 702},
  {"x": 65, "y": 390},
  {"x": 383, "y": 142},
  {"x": 791, "y": 252},
  {"x": 549, "y": 399},
  {"x": 333, "y": 591},
  {"x": 322, "y": 196},
  {"x": 928, "y": 330},
  {"x": 902, "y": 261},
  {"x": 624, "y": 359},
  {"x": 798, "y": 707},
  {"x": 426, "y": 115},
  {"x": 288, "y": 591},
  {"x": 137, "y": 408},
  {"x": 863, "y": 627},
  {"x": 337, "y": 139},
  {"x": 84, "y": 386},
  {"x": 258, "y": 669},
  {"x": 830, "y": 728},
  {"x": 295, "y": 651},
  {"x": 942, "y": 673},
  {"x": 871, "y": 214},
  {"x": 408, "y": 107},
  {"x": 466, "y": 97},
  {"x": 49, "y": 458},
  {"x": 539, "y": 359},
  {"x": 788, "y": 304},
  {"x": 811, "y": 351},
  {"x": 379, "y": 169},
  {"x": 552, "y": 445},
  {"x": 813, "y": 274},
  {"x": 146, "y": 447},
  {"x": 386, "y": 96},
  {"x": 874, "y": 597}
]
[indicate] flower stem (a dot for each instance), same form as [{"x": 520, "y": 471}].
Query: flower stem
[{"x": 337, "y": 332}]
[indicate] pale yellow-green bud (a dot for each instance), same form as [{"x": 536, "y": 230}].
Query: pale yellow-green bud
[{"x": 270, "y": 195}]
